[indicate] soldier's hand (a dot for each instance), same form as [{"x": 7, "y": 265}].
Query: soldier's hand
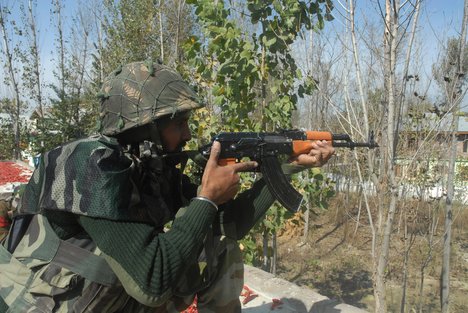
[
  {"x": 320, "y": 153},
  {"x": 221, "y": 183}
]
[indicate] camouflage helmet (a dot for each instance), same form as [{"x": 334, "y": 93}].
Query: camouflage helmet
[{"x": 138, "y": 93}]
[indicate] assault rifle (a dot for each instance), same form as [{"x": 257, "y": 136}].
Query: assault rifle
[{"x": 265, "y": 149}]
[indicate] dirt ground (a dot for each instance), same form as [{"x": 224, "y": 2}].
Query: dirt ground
[{"x": 335, "y": 260}]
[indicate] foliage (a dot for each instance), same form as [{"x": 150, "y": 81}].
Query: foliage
[
  {"x": 29, "y": 54},
  {"x": 7, "y": 140},
  {"x": 132, "y": 31},
  {"x": 253, "y": 77},
  {"x": 446, "y": 73},
  {"x": 462, "y": 173},
  {"x": 249, "y": 78},
  {"x": 251, "y": 250},
  {"x": 72, "y": 114},
  {"x": 317, "y": 187},
  {"x": 7, "y": 143}
]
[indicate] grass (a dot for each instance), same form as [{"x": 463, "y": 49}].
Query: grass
[{"x": 336, "y": 261}]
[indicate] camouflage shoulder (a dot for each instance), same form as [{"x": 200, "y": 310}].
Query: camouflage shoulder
[{"x": 89, "y": 176}]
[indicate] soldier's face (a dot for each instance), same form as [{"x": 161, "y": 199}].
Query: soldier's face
[{"x": 175, "y": 133}]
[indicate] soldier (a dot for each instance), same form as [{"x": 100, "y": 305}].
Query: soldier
[{"x": 89, "y": 235}]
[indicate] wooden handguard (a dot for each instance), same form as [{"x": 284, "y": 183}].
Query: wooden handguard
[
  {"x": 304, "y": 146},
  {"x": 317, "y": 135},
  {"x": 301, "y": 146}
]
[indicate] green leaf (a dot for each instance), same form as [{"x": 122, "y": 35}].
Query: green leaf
[
  {"x": 300, "y": 91},
  {"x": 314, "y": 8},
  {"x": 320, "y": 24},
  {"x": 246, "y": 54},
  {"x": 318, "y": 177},
  {"x": 255, "y": 17},
  {"x": 270, "y": 42},
  {"x": 298, "y": 74},
  {"x": 225, "y": 69},
  {"x": 273, "y": 89}
]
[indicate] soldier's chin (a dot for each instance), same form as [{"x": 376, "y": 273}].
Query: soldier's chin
[
  {"x": 176, "y": 150},
  {"x": 173, "y": 160},
  {"x": 175, "y": 157}
]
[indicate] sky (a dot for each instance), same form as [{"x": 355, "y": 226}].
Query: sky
[
  {"x": 45, "y": 33},
  {"x": 439, "y": 19}
]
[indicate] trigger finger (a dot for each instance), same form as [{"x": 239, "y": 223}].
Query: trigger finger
[
  {"x": 245, "y": 166},
  {"x": 214, "y": 152}
]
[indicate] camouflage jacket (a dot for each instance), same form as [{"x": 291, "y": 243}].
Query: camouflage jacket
[{"x": 91, "y": 177}]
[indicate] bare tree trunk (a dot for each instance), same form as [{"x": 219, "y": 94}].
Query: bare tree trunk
[
  {"x": 265, "y": 250},
  {"x": 36, "y": 60},
  {"x": 407, "y": 62},
  {"x": 405, "y": 271},
  {"x": 381, "y": 266},
  {"x": 60, "y": 40},
  {"x": 98, "y": 22},
  {"x": 13, "y": 81},
  {"x": 358, "y": 70},
  {"x": 275, "y": 253},
  {"x": 161, "y": 37},
  {"x": 82, "y": 57},
  {"x": 426, "y": 262},
  {"x": 445, "y": 274},
  {"x": 82, "y": 32},
  {"x": 180, "y": 8},
  {"x": 409, "y": 240},
  {"x": 365, "y": 124},
  {"x": 390, "y": 46},
  {"x": 62, "y": 73},
  {"x": 310, "y": 123},
  {"x": 358, "y": 217},
  {"x": 455, "y": 97},
  {"x": 264, "y": 84},
  {"x": 305, "y": 235}
]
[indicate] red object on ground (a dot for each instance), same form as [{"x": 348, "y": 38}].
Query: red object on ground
[
  {"x": 249, "y": 294},
  {"x": 193, "y": 308},
  {"x": 276, "y": 303},
  {"x": 4, "y": 223},
  {"x": 11, "y": 172}
]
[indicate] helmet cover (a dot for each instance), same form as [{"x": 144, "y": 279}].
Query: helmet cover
[{"x": 139, "y": 93}]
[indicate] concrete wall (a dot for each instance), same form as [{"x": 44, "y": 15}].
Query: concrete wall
[{"x": 293, "y": 297}]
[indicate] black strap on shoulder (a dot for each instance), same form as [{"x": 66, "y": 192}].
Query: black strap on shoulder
[{"x": 17, "y": 230}]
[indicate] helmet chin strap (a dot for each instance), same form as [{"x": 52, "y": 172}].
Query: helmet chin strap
[
  {"x": 155, "y": 138},
  {"x": 153, "y": 149}
]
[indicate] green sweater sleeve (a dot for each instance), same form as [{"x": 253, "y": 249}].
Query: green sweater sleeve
[
  {"x": 238, "y": 216},
  {"x": 147, "y": 263}
]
